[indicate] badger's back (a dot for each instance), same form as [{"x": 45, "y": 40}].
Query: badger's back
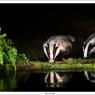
[
  {"x": 62, "y": 41},
  {"x": 60, "y": 38},
  {"x": 90, "y": 38}
]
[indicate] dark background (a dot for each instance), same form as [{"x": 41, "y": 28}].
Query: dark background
[{"x": 29, "y": 25}]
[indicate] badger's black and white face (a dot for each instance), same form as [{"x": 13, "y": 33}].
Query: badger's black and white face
[
  {"x": 51, "y": 50},
  {"x": 56, "y": 45},
  {"x": 89, "y": 47}
]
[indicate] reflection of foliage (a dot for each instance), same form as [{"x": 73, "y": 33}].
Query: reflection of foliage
[
  {"x": 10, "y": 82},
  {"x": 22, "y": 77},
  {"x": 1, "y": 85},
  {"x": 8, "y": 78}
]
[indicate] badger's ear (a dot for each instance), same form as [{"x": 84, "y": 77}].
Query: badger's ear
[
  {"x": 45, "y": 45},
  {"x": 83, "y": 46},
  {"x": 44, "y": 48},
  {"x": 72, "y": 38}
]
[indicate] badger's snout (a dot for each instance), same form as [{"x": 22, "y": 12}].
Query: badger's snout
[
  {"x": 51, "y": 61},
  {"x": 85, "y": 57}
]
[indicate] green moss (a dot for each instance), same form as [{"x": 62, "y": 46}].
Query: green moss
[{"x": 22, "y": 59}]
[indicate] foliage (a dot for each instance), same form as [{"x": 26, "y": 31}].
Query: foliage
[
  {"x": 22, "y": 59},
  {"x": 1, "y": 56},
  {"x": 78, "y": 60},
  {"x": 8, "y": 53}
]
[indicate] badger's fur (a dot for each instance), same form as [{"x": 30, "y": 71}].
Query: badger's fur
[
  {"x": 52, "y": 48},
  {"x": 56, "y": 44},
  {"x": 89, "y": 46},
  {"x": 88, "y": 49}
]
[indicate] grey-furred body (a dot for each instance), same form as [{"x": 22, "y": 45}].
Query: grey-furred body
[
  {"x": 56, "y": 44},
  {"x": 88, "y": 49}
]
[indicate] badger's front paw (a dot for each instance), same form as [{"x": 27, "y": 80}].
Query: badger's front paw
[{"x": 53, "y": 79}]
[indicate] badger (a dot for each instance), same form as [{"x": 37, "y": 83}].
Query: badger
[
  {"x": 88, "y": 49},
  {"x": 52, "y": 48},
  {"x": 57, "y": 44}
]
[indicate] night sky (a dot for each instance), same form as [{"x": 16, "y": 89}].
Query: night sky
[{"x": 29, "y": 25}]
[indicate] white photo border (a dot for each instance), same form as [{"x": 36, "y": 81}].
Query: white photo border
[{"x": 49, "y": 2}]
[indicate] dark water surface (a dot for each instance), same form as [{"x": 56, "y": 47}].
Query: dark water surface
[{"x": 35, "y": 82}]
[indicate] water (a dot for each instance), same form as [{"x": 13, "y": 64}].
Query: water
[{"x": 10, "y": 80}]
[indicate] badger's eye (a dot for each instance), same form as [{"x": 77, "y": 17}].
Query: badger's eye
[
  {"x": 91, "y": 45},
  {"x": 83, "y": 48},
  {"x": 46, "y": 45},
  {"x": 55, "y": 46}
]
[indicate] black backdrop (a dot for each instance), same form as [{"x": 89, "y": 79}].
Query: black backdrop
[{"x": 29, "y": 25}]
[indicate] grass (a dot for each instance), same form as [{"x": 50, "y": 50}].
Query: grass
[{"x": 67, "y": 65}]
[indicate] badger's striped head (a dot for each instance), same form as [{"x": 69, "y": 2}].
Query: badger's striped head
[
  {"x": 88, "y": 48},
  {"x": 88, "y": 45},
  {"x": 51, "y": 50}
]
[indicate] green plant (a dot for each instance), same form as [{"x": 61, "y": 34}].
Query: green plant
[
  {"x": 1, "y": 56},
  {"x": 8, "y": 53},
  {"x": 11, "y": 55},
  {"x": 22, "y": 59}
]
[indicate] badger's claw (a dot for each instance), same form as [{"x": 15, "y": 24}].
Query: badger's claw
[{"x": 53, "y": 79}]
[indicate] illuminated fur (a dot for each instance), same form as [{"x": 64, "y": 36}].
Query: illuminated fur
[{"x": 56, "y": 44}]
